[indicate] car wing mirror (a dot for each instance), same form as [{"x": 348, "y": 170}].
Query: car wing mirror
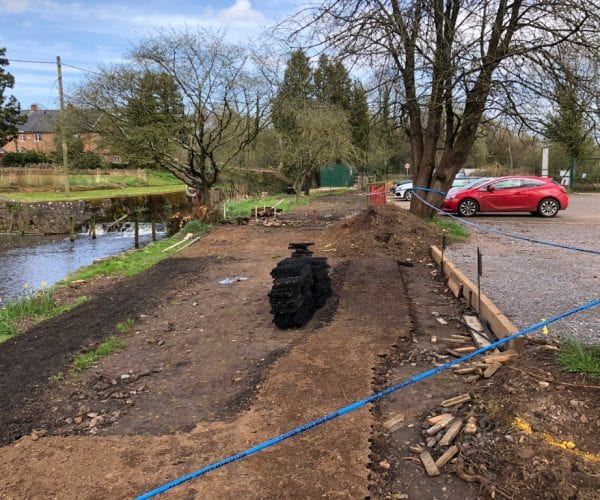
[{"x": 491, "y": 188}]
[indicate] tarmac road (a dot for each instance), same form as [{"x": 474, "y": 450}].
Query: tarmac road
[
  {"x": 529, "y": 281},
  {"x": 583, "y": 208}
]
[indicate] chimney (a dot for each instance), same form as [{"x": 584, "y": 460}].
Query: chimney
[{"x": 34, "y": 107}]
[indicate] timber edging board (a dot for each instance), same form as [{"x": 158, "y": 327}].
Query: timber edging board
[{"x": 461, "y": 286}]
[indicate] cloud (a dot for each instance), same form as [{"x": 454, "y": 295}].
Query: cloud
[
  {"x": 241, "y": 12},
  {"x": 14, "y": 6}
]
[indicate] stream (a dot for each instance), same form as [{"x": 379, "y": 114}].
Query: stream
[{"x": 28, "y": 261}]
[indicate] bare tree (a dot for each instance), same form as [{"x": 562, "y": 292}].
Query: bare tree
[
  {"x": 322, "y": 136},
  {"x": 191, "y": 101},
  {"x": 459, "y": 62}
]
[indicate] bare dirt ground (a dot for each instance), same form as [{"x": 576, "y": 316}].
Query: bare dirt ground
[{"x": 206, "y": 374}]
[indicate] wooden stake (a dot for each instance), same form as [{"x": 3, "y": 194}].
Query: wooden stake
[
  {"x": 137, "y": 232},
  {"x": 463, "y": 398},
  {"x": 439, "y": 426},
  {"x": 446, "y": 457},
  {"x": 93, "y": 228},
  {"x": 71, "y": 228},
  {"x": 451, "y": 433},
  {"x": 429, "y": 464}
]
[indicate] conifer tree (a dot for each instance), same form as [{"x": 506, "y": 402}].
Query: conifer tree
[
  {"x": 295, "y": 91},
  {"x": 10, "y": 110}
]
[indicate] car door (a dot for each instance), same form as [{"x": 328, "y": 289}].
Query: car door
[
  {"x": 530, "y": 194},
  {"x": 501, "y": 196}
]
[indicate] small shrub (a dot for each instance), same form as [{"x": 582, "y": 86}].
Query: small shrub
[{"x": 195, "y": 226}]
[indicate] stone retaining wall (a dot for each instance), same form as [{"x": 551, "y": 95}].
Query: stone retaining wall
[{"x": 54, "y": 217}]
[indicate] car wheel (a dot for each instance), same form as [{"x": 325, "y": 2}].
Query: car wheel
[
  {"x": 467, "y": 207},
  {"x": 408, "y": 195},
  {"x": 548, "y": 207}
]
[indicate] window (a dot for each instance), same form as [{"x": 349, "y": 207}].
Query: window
[
  {"x": 532, "y": 183},
  {"x": 21, "y": 137},
  {"x": 37, "y": 137},
  {"x": 508, "y": 184}
]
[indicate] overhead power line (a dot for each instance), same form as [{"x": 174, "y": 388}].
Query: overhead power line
[{"x": 54, "y": 62}]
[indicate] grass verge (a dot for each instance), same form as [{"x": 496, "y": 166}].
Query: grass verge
[
  {"x": 285, "y": 202},
  {"x": 575, "y": 357},
  {"x": 135, "y": 261},
  {"x": 87, "y": 359},
  {"x": 95, "y": 194},
  {"x": 33, "y": 307},
  {"x": 455, "y": 231}
]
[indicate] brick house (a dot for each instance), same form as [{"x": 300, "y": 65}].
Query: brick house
[{"x": 38, "y": 133}]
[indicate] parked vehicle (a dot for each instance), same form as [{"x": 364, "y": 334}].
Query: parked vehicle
[
  {"x": 403, "y": 190},
  {"x": 473, "y": 182},
  {"x": 460, "y": 181},
  {"x": 538, "y": 195}
]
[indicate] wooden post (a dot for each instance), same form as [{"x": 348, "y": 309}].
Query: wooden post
[
  {"x": 62, "y": 119},
  {"x": 93, "y": 227},
  {"x": 71, "y": 228},
  {"x": 137, "y": 231}
]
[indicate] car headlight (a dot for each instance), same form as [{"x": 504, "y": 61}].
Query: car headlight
[{"x": 449, "y": 197}]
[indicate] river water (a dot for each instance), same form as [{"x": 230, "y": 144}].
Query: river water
[{"x": 27, "y": 261}]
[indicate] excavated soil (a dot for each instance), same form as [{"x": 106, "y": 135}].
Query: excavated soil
[{"x": 205, "y": 374}]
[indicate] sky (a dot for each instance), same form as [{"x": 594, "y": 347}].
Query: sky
[{"x": 91, "y": 33}]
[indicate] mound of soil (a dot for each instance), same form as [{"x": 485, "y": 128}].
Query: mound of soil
[{"x": 383, "y": 231}]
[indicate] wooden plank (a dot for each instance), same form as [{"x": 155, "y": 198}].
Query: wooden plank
[
  {"x": 442, "y": 424},
  {"x": 438, "y": 418},
  {"x": 453, "y": 341},
  {"x": 499, "y": 323},
  {"x": 460, "y": 337},
  {"x": 491, "y": 369},
  {"x": 429, "y": 464},
  {"x": 478, "y": 333},
  {"x": 451, "y": 433},
  {"x": 455, "y": 287},
  {"x": 447, "y": 456},
  {"x": 463, "y": 398},
  {"x": 393, "y": 423},
  {"x": 500, "y": 358},
  {"x": 465, "y": 371},
  {"x": 464, "y": 350},
  {"x": 474, "y": 324}
]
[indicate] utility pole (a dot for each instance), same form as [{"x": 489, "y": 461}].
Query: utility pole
[{"x": 62, "y": 120}]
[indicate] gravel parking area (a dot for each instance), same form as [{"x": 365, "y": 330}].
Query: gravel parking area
[{"x": 529, "y": 281}]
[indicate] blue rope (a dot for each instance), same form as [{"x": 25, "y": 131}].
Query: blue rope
[
  {"x": 359, "y": 404},
  {"x": 498, "y": 231}
]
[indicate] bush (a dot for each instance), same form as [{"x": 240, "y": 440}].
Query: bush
[
  {"x": 241, "y": 182},
  {"x": 87, "y": 160},
  {"x": 195, "y": 226},
  {"x": 23, "y": 159}
]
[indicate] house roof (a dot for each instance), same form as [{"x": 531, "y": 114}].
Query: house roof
[{"x": 40, "y": 121}]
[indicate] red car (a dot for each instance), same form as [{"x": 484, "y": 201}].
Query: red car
[{"x": 538, "y": 195}]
